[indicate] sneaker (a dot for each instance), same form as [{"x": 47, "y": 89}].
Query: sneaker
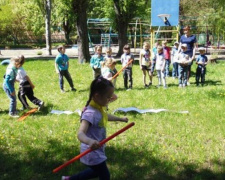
[
  {"x": 62, "y": 91},
  {"x": 180, "y": 86},
  {"x": 145, "y": 86},
  {"x": 41, "y": 105},
  {"x": 150, "y": 83},
  {"x": 165, "y": 87},
  {"x": 128, "y": 89},
  {"x": 14, "y": 115},
  {"x": 73, "y": 89},
  {"x": 65, "y": 177},
  {"x": 188, "y": 84}
]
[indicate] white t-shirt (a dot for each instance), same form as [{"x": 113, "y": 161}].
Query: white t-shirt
[
  {"x": 21, "y": 75},
  {"x": 145, "y": 57},
  {"x": 160, "y": 60}
]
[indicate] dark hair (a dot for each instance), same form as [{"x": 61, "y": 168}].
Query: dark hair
[
  {"x": 127, "y": 47},
  {"x": 98, "y": 85}
]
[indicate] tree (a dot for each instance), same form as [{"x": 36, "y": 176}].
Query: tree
[{"x": 80, "y": 8}]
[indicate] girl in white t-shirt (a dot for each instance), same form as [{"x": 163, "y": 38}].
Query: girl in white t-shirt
[
  {"x": 145, "y": 63},
  {"x": 26, "y": 90}
]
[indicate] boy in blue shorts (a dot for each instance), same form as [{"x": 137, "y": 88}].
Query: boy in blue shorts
[{"x": 201, "y": 62}]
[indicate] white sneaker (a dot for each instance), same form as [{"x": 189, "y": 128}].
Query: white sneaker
[
  {"x": 65, "y": 177},
  {"x": 188, "y": 84},
  {"x": 41, "y": 105},
  {"x": 14, "y": 115}
]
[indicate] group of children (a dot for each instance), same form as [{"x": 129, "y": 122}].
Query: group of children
[
  {"x": 161, "y": 59},
  {"x": 94, "y": 118}
]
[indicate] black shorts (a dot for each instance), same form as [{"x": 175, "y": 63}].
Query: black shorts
[{"x": 147, "y": 68}]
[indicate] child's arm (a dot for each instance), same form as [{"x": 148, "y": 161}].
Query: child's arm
[
  {"x": 115, "y": 118},
  {"x": 81, "y": 135},
  {"x": 56, "y": 68},
  {"x": 31, "y": 84},
  {"x": 140, "y": 60},
  {"x": 68, "y": 64},
  {"x": 164, "y": 64}
]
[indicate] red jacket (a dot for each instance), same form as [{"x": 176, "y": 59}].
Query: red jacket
[{"x": 166, "y": 52}]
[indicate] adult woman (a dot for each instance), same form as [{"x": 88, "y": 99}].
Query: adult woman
[{"x": 191, "y": 42}]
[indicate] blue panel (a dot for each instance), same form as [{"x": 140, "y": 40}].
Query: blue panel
[{"x": 165, "y": 7}]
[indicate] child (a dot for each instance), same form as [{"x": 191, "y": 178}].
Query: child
[
  {"x": 145, "y": 63},
  {"x": 201, "y": 62},
  {"x": 127, "y": 72},
  {"x": 183, "y": 60},
  {"x": 9, "y": 81},
  {"x": 174, "y": 54},
  {"x": 108, "y": 53},
  {"x": 62, "y": 67},
  {"x": 154, "y": 51},
  {"x": 160, "y": 66},
  {"x": 166, "y": 52},
  {"x": 107, "y": 70},
  {"x": 96, "y": 60},
  {"x": 26, "y": 89},
  {"x": 92, "y": 130}
]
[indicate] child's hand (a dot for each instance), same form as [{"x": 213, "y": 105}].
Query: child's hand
[
  {"x": 13, "y": 93},
  {"x": 94, "y": 144},
  {"x": 125, "y": 119}
]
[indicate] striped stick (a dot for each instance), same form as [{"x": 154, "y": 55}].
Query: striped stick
[{"x": 89, "y": 150}]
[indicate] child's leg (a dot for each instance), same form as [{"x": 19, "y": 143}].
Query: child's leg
[
  {"x": 125, "y": 78},
  {"x": 167, "y": 73},
  {"x": 198, "y": 74},
  {"x": 61, "y": 82},
  {"x": 30, "y": 95},
  {"x": 163, "y": 78},
  {"x": 159, "y": 77},
  {"x": 23, "y": 100},
  {"x": 100, "y": 171},
  {"x": 203, "y": 75},
  {"x": 144, "y": 75},
  {"x": 12, "y": 104},
  {"x": 150, "y": 76},
  {"x": 130, "y": 78},
  {"x": 69, "y": 79},
  {"x": 180, "y": 69},
  {"x": 185, "y": 80}
]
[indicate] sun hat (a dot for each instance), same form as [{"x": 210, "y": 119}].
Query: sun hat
[
  {"x": 183, "y": 45},
  {"x": 201, "y": 49}
]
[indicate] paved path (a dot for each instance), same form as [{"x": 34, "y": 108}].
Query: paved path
[{"x": 72, "y": 53}]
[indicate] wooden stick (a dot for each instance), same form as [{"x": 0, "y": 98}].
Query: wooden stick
[
  {"x": 89, "y": 150},
  {"x": 122, "y": 69}
]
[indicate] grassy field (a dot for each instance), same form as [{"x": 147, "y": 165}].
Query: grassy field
[{"x": 166, "y": 145}]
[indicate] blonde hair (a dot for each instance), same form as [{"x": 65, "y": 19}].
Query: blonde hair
[
  {"x": 108, "y": 50},
  {"x": 19, "y": 60},
  {"x": 146, "y": 44},
  {"x": 98, "y": 47},
  {"x": 108, "y": 62}
]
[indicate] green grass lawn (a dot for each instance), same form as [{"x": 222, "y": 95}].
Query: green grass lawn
[{"x": 167, "y": 145}]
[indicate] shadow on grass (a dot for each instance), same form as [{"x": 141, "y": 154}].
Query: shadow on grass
[{"x": 124, "y": 163}]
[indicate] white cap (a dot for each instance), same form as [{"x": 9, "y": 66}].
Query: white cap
[
  {"x": 183, "y": 45},
  {"x": 175, "y": 43},
  {"x": 201, "y": 49}
]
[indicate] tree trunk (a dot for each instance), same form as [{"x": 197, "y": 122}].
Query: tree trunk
[
  {"x": 80, "y": 7},
  {"x": 122, "y": 25},
  {"x": 122, "y": 37},
  {"x": 67, "y": 29},
  {"x": 48, "y": 27}
]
